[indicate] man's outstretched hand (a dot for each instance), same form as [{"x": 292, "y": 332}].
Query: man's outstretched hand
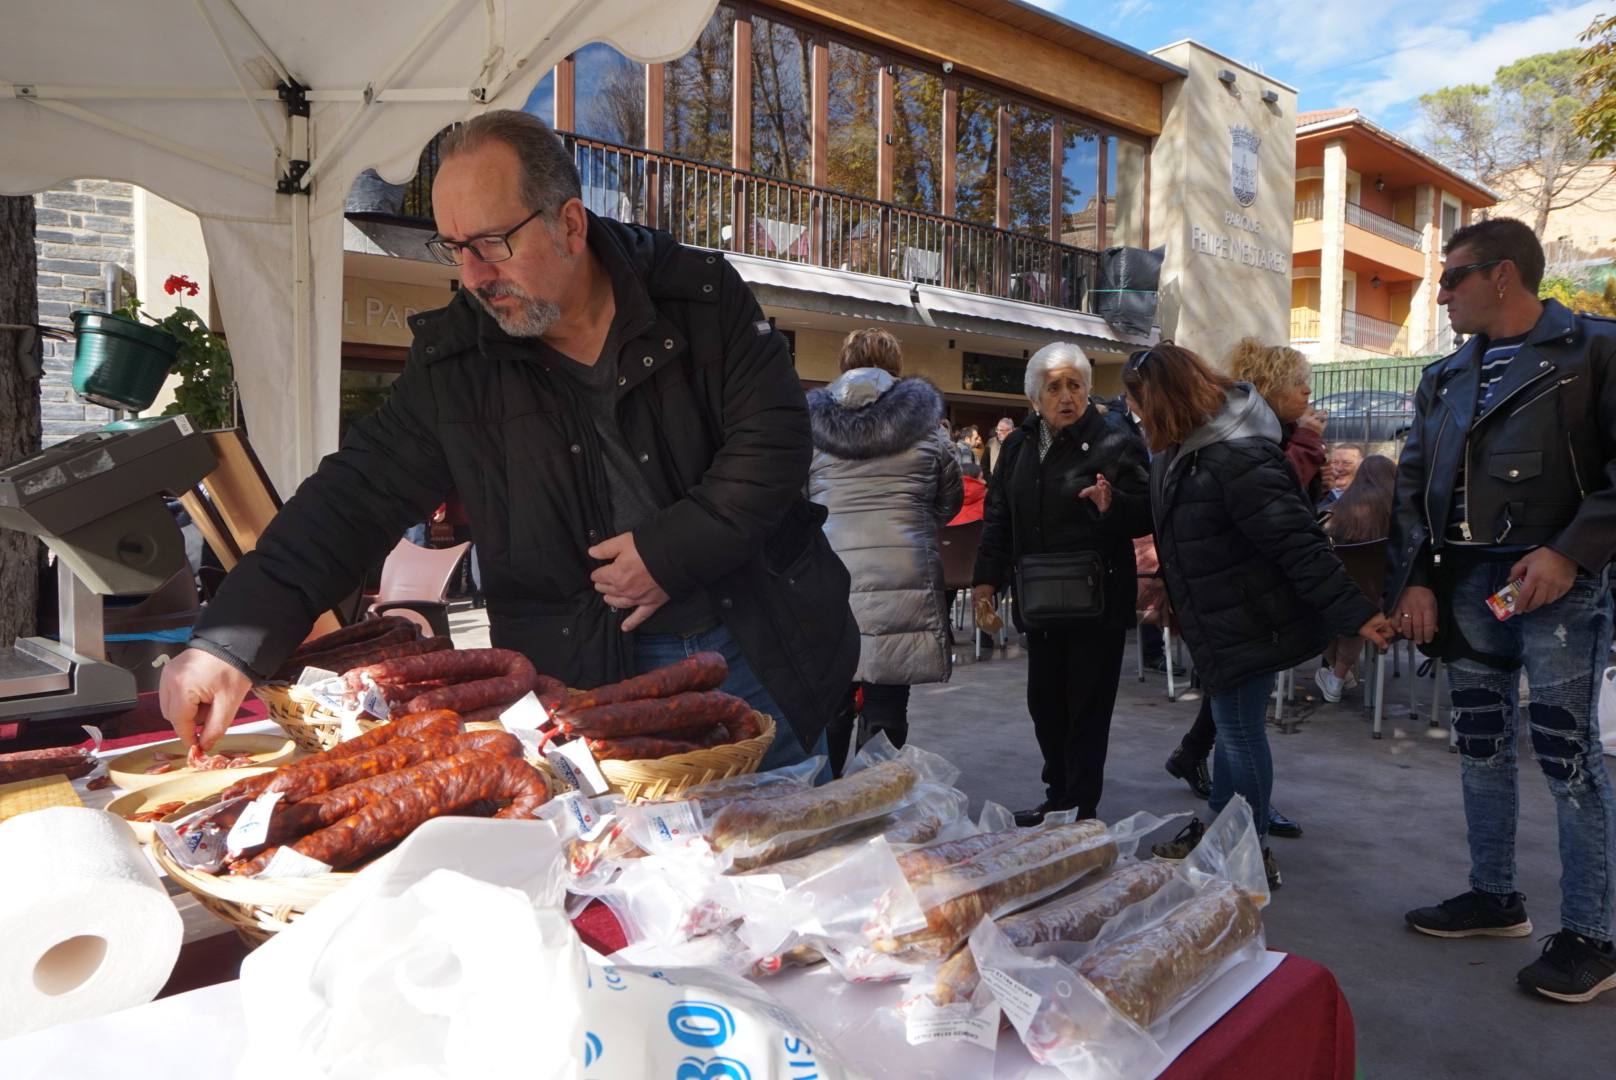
[{"x": 197, "y": 688}]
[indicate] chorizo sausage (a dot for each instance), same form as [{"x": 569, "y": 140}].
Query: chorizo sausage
[
  {"x": 353, "y": 634},
  {"x": 752, "y": 826},
  {"x": 691, "y": 712},
  {"x": 703, "y": 671},
  {"x": 457, "y": 665},
  {"x": 69, "y": 761},
  {"x": 442, "y": 724},
  {"x": 338, "y": 660},
  {"x": 450, "y": 784}
]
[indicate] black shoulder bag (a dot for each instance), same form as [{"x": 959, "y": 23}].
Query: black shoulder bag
[{"x": 1061, "y": 590}]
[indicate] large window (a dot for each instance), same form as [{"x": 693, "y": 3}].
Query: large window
[
  {"x": 976, "y": 195},
  {"x": 994, "y": 374},
  {"x": 855, "y": 109},
  {"x": 610, "y": 91},
  {"x": 697, "y": 95},
  {"x": 1080, "y": 186},
  {"x": 541, "y": 102},
  {"x": 1029, "y": 171},
  {"x": 782, "y": 101},
  {"x": 917, "y": 140}
]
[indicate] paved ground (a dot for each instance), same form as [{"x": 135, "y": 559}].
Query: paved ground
[{"x": 1384, "y": 832}]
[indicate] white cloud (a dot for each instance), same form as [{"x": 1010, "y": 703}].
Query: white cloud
[
  {"x": 1130, "y": 9},
  {"x": 1466, "y": 57}
]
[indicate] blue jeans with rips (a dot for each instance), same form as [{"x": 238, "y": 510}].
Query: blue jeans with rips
[
  {"x": 1563, "y": 647},
  {"x": 1241, "y": 762},
  {"x": 659, "y": 650}
]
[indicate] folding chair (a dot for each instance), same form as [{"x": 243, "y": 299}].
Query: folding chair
[
  {"x": 958, "y": 544},
  {"x": 414, "y": 582},
  {"x": 1366, "y": 564}
]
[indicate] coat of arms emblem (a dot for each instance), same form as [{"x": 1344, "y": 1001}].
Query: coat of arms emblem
[{"x": 1243, "y": 164}]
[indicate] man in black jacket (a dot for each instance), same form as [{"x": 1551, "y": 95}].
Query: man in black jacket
[
  {"x": 629, "y": 439},
  {"x": 1508, "y": 482}
]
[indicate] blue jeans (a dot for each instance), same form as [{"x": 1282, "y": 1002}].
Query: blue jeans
[
  {"x": 1241, "y": 763},
  {"x": 1563, "y": 647},
  {"x": 659, "y": 650}
]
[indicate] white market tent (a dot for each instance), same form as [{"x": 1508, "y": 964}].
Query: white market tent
[{"x": 257, "y": 115}]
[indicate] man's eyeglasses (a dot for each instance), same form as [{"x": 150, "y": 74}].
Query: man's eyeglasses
[
  {"x": 1453, "y": 276},
  {"x": 493, "y": 248}
]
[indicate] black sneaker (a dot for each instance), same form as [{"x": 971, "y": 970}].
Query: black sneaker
[
  {"x": 1028, "y": 818},
  {"x": 1181, "y": 845},
  {"x": 1271, "y": 868},
  {"x": 1191, "y": 770},
  {"x": 1280, "y": 825},
  {"x": 1159, "y": 663},
  {"x": 1474, "y": 914},
  {"x": 1572, "y": 968}
]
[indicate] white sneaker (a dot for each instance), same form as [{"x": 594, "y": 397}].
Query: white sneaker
[
  {"x": 1329, "y": 685},
  {"x": 1350, "y": 682}
]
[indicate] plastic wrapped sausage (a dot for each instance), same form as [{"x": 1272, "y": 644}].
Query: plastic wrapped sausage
[
  {"x": 69, "y": 761},
  {"x": 757, "y": 831},
  {"x": 1146, "y": 974},
  {"x": 1074, "y": 918}
]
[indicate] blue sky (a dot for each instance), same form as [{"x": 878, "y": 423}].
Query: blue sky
[{"x": 1378, "y": 55}]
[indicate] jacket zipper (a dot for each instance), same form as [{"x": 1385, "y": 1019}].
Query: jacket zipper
[
  {"x": 1435, "y": 532},
  {"x": 1464, "y": 525},
  {"x": 1538, "y": 397},
  {"x": 1576, "y": 473}
]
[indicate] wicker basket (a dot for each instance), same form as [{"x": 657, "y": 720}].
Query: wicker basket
[
  {"x": 255, "y": 908},
  {"x": 308, "y": 722},
  {"x": 658, "y": 778}
]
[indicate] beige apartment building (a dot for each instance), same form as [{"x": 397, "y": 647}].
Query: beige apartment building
[{"x": 1372, "y": 214}]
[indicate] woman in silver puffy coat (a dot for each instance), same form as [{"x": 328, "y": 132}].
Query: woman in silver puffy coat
[{"x": 889, "y": 479}]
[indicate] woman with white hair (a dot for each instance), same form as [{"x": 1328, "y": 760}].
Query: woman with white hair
[{"x": 1070, "y": 492}]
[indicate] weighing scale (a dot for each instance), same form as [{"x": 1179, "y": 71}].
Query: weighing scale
[{"x": 98, "y": 502}]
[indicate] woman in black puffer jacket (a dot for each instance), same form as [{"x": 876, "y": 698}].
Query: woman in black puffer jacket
[
  {"x": 1251, "y": 576},
  {"x": 1071, "y": 478}
]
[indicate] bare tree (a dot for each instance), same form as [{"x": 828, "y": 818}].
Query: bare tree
[{"x": 19, "y": 407}]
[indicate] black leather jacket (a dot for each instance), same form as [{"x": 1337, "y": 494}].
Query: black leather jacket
[{"x": 1541, "y": 458}]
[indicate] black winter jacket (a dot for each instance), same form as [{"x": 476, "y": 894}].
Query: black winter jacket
[
  {"x": 1542, "y": 457},
  {"x": 1250, "y": 573},
  {"x": 1033, "y": 507},
  {"x": 709, "y": 400}
]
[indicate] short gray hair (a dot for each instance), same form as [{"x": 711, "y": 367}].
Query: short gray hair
[
  {"x": 1057, "y": 354},
  {"x": 549, "y": 176}
]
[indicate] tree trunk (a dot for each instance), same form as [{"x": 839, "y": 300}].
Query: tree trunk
[{"x": 19, "y": 408}]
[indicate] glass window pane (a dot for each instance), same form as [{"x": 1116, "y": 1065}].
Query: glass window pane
[
  {"x": 976, "y": 150},
  {"x": 610, "y": 92},
  {"x": 1030, "y": 132},
  {"x": 782, "y": 101},
  {"x": 699, "y": 88},
  {"x": 1125, "y": 193},
  {"x": 917, "y": 130},
  {"x": 541, "y": 102},
  {"x": 1080, "y": 184},
  {"x": 854, "y": 113}
]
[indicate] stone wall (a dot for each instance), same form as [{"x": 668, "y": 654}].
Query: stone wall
[{"x": 82, "y": 227}]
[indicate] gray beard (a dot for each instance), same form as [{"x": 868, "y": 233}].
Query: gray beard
[{"x": 533, "y": 319}]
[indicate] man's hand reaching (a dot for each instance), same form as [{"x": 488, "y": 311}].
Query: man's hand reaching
[{"x": 624, "y": 582}]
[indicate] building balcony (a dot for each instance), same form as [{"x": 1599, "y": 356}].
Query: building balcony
[
  {"x": 1394, "y": 231},
  {"x": 747, "y": 213},
  {"x": 1373, "y": 335},
  {"x": 1371, "y": 244}
]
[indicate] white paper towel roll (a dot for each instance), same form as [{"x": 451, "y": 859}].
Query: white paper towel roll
[{"x": 85, "y": 925}]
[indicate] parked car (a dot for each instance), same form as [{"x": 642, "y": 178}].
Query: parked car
[{"x": 1367, "y": 415}]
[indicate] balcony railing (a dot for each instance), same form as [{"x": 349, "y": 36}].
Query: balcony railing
[
  {"x": 718, "y": 207},
  {"x": 1309, "y": 209},
  {"x": 1375, "y": 335},
  {"x": 1395, "y": 231}
]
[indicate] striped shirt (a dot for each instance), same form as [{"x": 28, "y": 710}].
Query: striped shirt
[{"x": 1494, "y": 362}]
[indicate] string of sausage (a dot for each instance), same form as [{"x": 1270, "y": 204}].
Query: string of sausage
[
  {"x": 69, "y": 761},
  {"x": 432, "y": 789},
  {"x": 441, "y": 724},
  {"x": 681, "y": 716},
  {"x": 703, "y": 671}
]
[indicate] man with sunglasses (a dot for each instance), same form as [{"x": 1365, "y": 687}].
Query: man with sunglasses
[
  {"x": 1507, "y": 486},
  {"x": 629, "y": 438}
]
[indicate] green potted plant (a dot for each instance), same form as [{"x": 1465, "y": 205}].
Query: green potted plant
[{"x": 207, "y": 389}]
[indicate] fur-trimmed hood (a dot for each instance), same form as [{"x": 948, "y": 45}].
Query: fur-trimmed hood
[{"x": 866, "y": 413}]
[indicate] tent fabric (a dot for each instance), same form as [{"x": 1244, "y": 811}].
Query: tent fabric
[{"x": 179, "y": 97}]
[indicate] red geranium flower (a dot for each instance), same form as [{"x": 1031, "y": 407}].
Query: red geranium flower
[{"x": 180, "y": 283}]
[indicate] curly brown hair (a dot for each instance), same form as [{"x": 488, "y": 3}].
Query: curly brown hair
[
  {"x": 1271, "y": 369},
  {"x": 871, "y": 347}
]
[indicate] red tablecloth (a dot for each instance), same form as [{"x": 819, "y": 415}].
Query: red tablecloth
[
  {"x": 142, "y": 724},
  {"x": 1295, "y": 1024}
]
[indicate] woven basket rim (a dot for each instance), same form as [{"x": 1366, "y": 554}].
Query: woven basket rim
[
  {"x": 678, "y": 767},
  {"x": 297, "y": 893}
]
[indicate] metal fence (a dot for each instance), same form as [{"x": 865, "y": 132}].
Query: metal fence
[{"x": 1370, "y": 405}]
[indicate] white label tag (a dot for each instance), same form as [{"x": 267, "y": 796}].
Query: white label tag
[
  {"x": 1020, "y": 1002},
  {"x": 672, "y": 825},
  {"x": 289, "y": 863},
  {"x": 326, "y": 687},
  {"x": 374, "y": 701},
  {"x": 580, "y": 767},
  {"x": 581, "y": 812},
  {"x": 525, "y": 714},
  {"x": 252, "y": 827},
  {"x": 926, "y": 1023},
  {"x": 314, "y": 676},
  {"x": 183, "y": 423},
  {"x": 348, "y": 726}
]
